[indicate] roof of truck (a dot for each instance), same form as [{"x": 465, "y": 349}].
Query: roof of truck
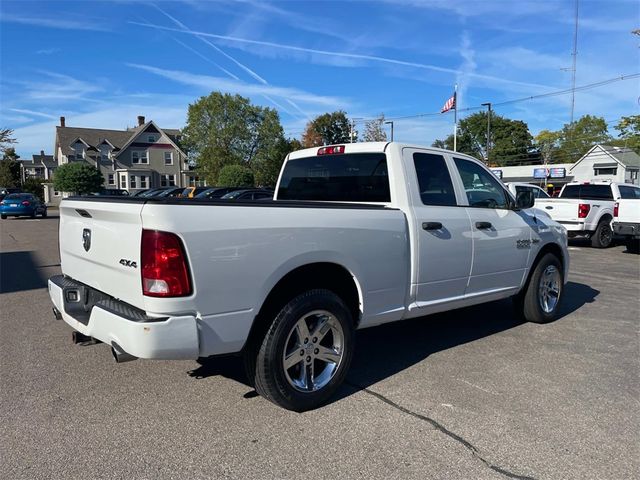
[{"x": 362, "y": 147}]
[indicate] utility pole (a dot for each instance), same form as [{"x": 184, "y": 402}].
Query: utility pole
[
  {"x": 488, "y": 105},
  {"x": 574, "y": 54},
  {"x": 390, "y": 122}
]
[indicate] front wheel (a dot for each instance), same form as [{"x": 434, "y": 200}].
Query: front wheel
[
  {"x": 541, "y": 298},
  {"x": 3, "y": 217},
  {"x": 306, "y": 353},
  {"x": 603, "y": 236}
]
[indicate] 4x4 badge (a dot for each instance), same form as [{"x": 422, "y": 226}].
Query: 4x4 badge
[{"x": 86, "y": 239}]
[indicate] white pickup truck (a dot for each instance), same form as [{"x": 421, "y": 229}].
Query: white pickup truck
[
  {"x": 585, "y": 209},
  {"x": 626, "y": 216},
  {"x": 357, "y": 235}
]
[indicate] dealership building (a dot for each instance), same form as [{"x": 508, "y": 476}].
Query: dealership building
[{"x": 602, "y": 162}]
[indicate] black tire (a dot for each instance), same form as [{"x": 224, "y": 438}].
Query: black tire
[
  {"x": 44, "y": 213},
  {"x": 603, "y": 236},
  {"x": 3, "y": 217},
  {"x": 633, "y": 245},
  {"x": 265, "y": 365},
  {"x": 529, "y": 302}
]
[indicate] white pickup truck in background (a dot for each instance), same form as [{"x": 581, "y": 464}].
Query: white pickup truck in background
[
  {"x": 585, "y": 209},
  {"x": 357, "y": 235},
  {"x": 626, "y": 216}
]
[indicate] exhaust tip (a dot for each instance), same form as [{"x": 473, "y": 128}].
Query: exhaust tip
[{"x": 119, "y": 355}]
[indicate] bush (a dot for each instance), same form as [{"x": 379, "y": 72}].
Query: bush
[
  {"x": 34, "y": 185},
  {"x": 77, "y": 177},
  {"x": 235, "y": 176}
]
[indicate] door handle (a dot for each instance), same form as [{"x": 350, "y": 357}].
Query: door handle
[
  {"x": 431, "y": 226},
  {"x": 483, "y": 225}
]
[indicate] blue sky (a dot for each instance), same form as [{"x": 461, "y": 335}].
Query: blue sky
[{"x": 100, "y": 64}]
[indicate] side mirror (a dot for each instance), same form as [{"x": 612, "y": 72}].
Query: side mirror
[{"x": 524, "y": 199}]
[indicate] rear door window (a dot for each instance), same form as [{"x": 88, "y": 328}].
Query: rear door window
[
  {"x": 352, "y": 177},
  {"x": 434, "y": 180}
]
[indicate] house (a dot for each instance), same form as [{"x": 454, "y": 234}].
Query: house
[
  {"x": 604, "y": 162},
  {"x": 134, "y": 159},
  {"x": 39, "y": 166}
]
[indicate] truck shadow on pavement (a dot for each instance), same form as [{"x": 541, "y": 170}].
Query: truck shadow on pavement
[
  {"x": 386, "y": 350},
  {"x": 18, "y": 271}
]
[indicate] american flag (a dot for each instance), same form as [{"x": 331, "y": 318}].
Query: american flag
[{"x": 449, "y": 104}]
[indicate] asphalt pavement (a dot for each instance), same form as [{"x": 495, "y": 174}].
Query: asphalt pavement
[{"x": 470, "y": 394}]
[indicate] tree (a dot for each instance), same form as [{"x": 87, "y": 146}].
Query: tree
[
  {"x": 9, "y": 169},
  {"x": 224, "y": 129},
  {"x": 328, "y": 129},
  {"x": 511, "y": 141},
  {"x": 547, "y": 143},
  {"x": 34, "y": 185},
  {"x": 77, "y": 177},
  {"x": 267, "y": 171},
  {"x": 578, "y": 137},
  {"x": 235, "y": 176},
  {"x": 629, "y": 128},
  {"x": 6, "y": 139},
  {"x": 374, "y": 130}
]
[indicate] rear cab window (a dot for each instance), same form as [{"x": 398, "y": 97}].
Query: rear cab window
[
  {"x": 629, "y": 192},
  {"x": 434, "y": 179},
  {"x": 588, "y": 192},
  {"x": 349, "y": 177}
]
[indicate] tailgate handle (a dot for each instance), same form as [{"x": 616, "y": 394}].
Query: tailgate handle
[
  {"x": 483, "y": 225},
  {"x": 431, "y": 226},
  {"x": 83, "y": 213}
]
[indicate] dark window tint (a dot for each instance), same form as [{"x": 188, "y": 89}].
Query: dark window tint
[
  {"x": 629, "y": 192},
  {"x": 588, "y": 192},
  {"x": 17, "y": 196},
  {"x": 482, "y": 188},
  {"x": 353, "y": 177},
  {"x": 434, "y": 180},
  {"x": 259, "y": 195}
]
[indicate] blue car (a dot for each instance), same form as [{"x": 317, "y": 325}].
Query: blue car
[{"x": 22, "y": 205}]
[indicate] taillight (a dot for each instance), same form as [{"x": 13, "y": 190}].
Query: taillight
[
  {"x": 583, "y": 210},
  {"x": 164, "y": 265},
  {"x": 26, "y": 203},
  {"x": 615, "y": 209},
  {"x": 331, "y": 150}
]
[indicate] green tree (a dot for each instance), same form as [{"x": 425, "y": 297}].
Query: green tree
[
  {"x": 235, "y": 176},
  {"x": 374, "y": 130},
  {"x": 9, "y": 169},
  {"x": 34, "y": 185},
  {"x": 6, "y": 139},
  {"x": 511, "y": 141},
  {"x": 328, "y": 129},
  {"x": 578, "y": 137},
  {"x": 77, "y": 177},
  {"x": 547, "y": 143},
  {"x": 629, "y": 128},
  {"x": 224, "y": 129},
  {"x": 267, "y": 170}
]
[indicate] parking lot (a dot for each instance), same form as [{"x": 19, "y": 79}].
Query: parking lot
[{"x": 473, "y": 393}]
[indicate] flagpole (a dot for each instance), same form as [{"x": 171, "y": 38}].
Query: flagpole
[{"x": 455, "y": 119}]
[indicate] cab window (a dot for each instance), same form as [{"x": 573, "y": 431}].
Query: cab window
[
  {"x": 482, "y": 188},
  {"x": 434, "y": 180}
]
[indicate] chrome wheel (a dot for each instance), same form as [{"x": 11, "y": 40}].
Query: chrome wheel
[
  {"x": 313, "y": 351},
  {"x": 549, "y": 289}
]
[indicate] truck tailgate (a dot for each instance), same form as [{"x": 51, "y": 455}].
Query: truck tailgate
[
  {"x": 100, "y": 246},
  {"x": 560, "y": 210}
]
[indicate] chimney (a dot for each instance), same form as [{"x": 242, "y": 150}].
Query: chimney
[
  {"x": 140, "y": 120},
  {"x": 62, "y": 122},
  {"x": 42, "y": 153}
]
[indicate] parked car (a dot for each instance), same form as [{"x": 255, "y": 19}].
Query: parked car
[
  {"x": 516, "y": 187},
  {"x": 191, "y": 192},
  {"x": 216, "y": 192},
  {"x": 168, "y": 192},
  {"x": 626, "y": 216},
  {"x": 112, "y": 192},
  {"x": 249, "y": 194},
  {"x": 358, "y": 235},
  {"x": 22, "y": 205},
  {"x": 151, "y": 192},
  {"x": 585, "y": 209}
]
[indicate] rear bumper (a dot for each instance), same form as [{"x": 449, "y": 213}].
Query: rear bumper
[
  {"x": 111, "y": 321},
  {"x": 573, "y": 226},
  {"x": 17, "y": 211},
  {"x": 627, "y": 229}
]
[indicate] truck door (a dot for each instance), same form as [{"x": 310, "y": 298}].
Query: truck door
[
  {"x": 442, "y": 247},
  {"x": 501, "y": 236}
]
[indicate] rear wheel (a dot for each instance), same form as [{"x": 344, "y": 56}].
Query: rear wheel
[
  {"x": 44, "y": 213},
  {"x": 306, "y": 352},
  {"x": 541, "y": 298},
  {"x": 3, "y": 217},
  {"x": 603, "y": 236}
]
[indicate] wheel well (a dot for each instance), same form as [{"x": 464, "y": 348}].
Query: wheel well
[
  {"x": 605, "y": 218},
  {"x": 329, "y": 276}
]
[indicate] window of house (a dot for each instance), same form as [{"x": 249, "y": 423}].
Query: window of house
[
  {"x": 143, "y": 181},
  {"x": 56, "y": 193},
  {"x": 139, "y": 156},
  {"x": 79, "y": 151},
  {"x": 172, "y": 180},
  {"x": 111, "y": 179},
  {"x": 605, "y": 171},
  {"x": 163, "y": 180},
  {"x": 434, "y": 179},
  {"x": 168, "y": 158},
  {"x": 482, "y": 187},
  {"x": 151, "y": 138},
  {"x": 132, "y": 181},
  {"x": 123, "y": 180}
]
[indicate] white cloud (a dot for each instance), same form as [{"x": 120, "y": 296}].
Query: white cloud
[
  {"x": 233, "y": 86},
  {"x": 61, "y": 22},
  {"x": 56, "y": 86},
  {"x": 47, "y": 51},
  {"x": 33, "y": 113}
]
